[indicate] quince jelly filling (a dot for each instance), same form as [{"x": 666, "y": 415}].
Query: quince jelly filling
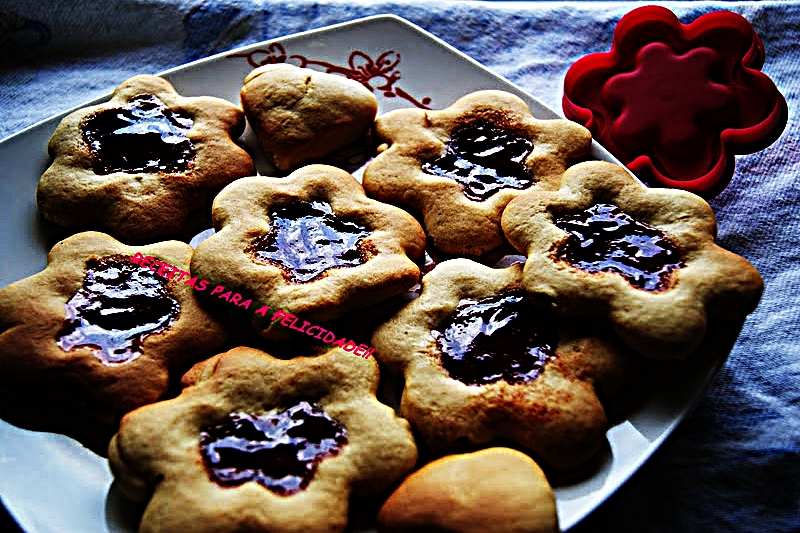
[
  {"x": 144, "y": 135},
  {"x": 603, "y": 238},
  {"x": 501, "y": 337},
  {"x": 484, "y": 158},
  {"x": 116, "y": 308},
  {"x": 307, "y": 239},
  {"x": 280, "y": 450}
]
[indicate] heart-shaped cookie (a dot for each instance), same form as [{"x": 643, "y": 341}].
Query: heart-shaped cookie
[{"x": 299, "y": 114}]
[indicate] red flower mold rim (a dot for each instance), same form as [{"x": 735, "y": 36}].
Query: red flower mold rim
[{"x": 676, "y": 102}]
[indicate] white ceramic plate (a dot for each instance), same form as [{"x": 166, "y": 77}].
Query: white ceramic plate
[{"x": 50, "y": 483}]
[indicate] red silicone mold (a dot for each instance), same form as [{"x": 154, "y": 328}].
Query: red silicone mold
[{"x": 676, "y": 102}]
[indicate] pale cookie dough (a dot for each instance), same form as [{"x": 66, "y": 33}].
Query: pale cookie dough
[
  {"x": 497, "y": 149},
  {"x": 662, "y": 316},
  {"x": 95, "y": 335},
  {"x": 512, "y": 372},
  {"x": 110, "y": 170},
  {"x": 299, "y": 115},
  {"x": 180, "y": 455},
  {"x": 497, "y": 490}
]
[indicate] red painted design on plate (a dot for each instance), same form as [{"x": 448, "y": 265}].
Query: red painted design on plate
[
  {"x": 360, "y": 67},
  {"x": 676, "y": 102},
  {"x": 273, "y": 53}
]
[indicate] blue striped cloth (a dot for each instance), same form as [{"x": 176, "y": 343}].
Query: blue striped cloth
[{"x": 734, "y": 464}]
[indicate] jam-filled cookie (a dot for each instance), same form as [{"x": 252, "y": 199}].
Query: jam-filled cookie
[
  {"x": 604, "y": 245},
  {"x": 299, "y": 115},
  {"x": 98, "y": 332},
  {"x": 138, "y": 164},
  {"x": 311, "y": 244},
  {"x": 255, "y": 443},
  {"x": 482, "y": 363},
  {"x": 497, "y": 490},
  {"x": 460, "y": 166}
]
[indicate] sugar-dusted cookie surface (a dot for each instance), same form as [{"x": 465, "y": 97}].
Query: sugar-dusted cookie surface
[
  {"x": 254, "y": 443},
  {"x": 460, "y": 166},
  {"x": 138, "y": 164},
  {"x": 496, "y": 490},
  {"x": 311, "y": 244},
  {"x": 95, "y": 335},
  {"x": 481, "y": 363},
  {"x": 299, "y": 114},
  {"x": 603, "y": 245}
]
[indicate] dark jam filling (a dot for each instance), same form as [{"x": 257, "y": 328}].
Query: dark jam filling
[
  {"x": 605, "y": 239},
  {"x": 142, "y": 136},
  {"x": 499, "y": 337},
  {"x": 118, "y": 306},
  {"x": 280, "y": 450},
  {"x": 484, "y": 159},
  {"x": 308, "y": 239}
]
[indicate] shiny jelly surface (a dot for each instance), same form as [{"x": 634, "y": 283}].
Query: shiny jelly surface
[
  {"x": 484, "y": 158},
  {"x": 497, "y": 338},
  {"x": 603, "y": 238},
  {"x": 307, "y": 239},
  {"x": 118, "y": 305},
  {"x": 280, "y": 450},
  {"x": 144, "y": 135}
]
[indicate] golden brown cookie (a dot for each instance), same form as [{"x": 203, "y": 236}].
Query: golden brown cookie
[
  {"x": 497, "y": 490},
  {"x": 481, "y": 363},
  {"x": 311, "y": 244},
  {"x": 96, "y": 334},
  {"x": 460, "y": 166},
  {"x": 139, "y": 163},
  {"x": 603, "y": 245},
  {"x": 299, "y": 114},
  {"x": 254, "y": 443}
]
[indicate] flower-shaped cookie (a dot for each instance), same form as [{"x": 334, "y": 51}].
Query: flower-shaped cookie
[
  {"x": 497, "y": 490},
  {"x": 311, "y": 244},
  {"x": 603, "y": 245},
  {"x": 676, "y": 102},
  {"x": 138, "y": 164},
  {"x": 254, "y": 443},
  {"x": 95, "y": 334},
  {"x": 460, "y": 166},
  {"x": 481, "y": 364}
]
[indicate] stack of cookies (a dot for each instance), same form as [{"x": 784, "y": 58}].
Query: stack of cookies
[{"x": 195, "y": 367}]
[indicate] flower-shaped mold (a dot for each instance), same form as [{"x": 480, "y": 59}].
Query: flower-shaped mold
[
  {"x": 603, "y": 245},
  {"x": 299, "y": 115},
  {"x": 460, "y": 166},
  {"x": 311, "y": 244},
  {"x": 676, "y": 102},
  {"x": 497, "y": 490},
  {"x": 95, "y": 335},
  {"x": 138, "y": 164},
  {"x": 255, "y": 443},
  {"x": 481, "y": 364}
]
